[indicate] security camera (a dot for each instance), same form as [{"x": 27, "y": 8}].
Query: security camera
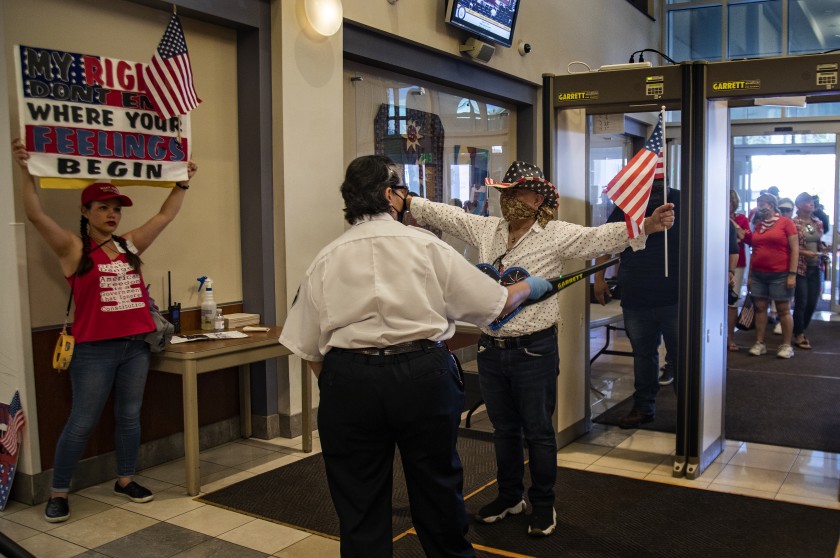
[{"x": 524, "y": 48}]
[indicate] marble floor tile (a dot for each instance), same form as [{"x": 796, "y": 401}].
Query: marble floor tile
[
  {"x": 264, "y": 536},
  {"x": 210, "y": 520}
]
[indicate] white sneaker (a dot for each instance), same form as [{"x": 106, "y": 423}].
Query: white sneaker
[
  {"x": 759, "y": 349},
  {"x": 785, "y": 351},
  {"x": 778, "y": 329}
]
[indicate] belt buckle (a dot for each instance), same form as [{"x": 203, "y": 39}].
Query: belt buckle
[{"x": 500, "y": 343}]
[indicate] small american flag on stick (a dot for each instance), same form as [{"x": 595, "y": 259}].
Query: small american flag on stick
[
  {"x": 9, "y": 438},
  {"x": 630, "y": 188},
  {"x": 169, "y": 79}
]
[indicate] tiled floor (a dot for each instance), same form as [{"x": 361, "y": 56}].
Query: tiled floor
[{"x": 174, "y": 524}]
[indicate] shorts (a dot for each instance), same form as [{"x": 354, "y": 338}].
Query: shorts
[{"x": 770, "y": 285}]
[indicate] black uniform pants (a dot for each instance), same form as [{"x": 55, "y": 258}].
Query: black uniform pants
[{"x": 372, "y": 404}]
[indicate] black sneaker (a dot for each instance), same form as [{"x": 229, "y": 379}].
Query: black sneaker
[
  {"x": 498, "y": 509},
  {"x": 667, "y": 377},
  {"x": 542, "y": 522},
  {"x": 133, "y": 492},
  {"x": 57, "y": 510}
]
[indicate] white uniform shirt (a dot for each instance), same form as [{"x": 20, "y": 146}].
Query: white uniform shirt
[
  {"x": 382, "y": 283},
  {"x": 541, "y": 251}
]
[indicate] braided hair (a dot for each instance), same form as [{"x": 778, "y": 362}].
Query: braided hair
[{"x": 86, "y": 262}]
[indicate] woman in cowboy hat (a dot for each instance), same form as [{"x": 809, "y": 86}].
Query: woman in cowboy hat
[{"x": 518, "y": 363}]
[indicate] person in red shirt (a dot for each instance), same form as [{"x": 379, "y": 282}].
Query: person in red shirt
[
  {"x": 775, "y": 256},
  {"x": 111, "y": 319}
]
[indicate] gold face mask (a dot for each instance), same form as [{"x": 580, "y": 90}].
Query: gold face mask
[{"x": 513, "y": 209}]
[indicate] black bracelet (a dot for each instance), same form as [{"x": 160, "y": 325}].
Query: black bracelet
[
  {"x": 183, "y": 186},
  {"x": 791, "y": 273}
]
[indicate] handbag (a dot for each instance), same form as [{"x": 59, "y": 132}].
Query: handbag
[
  {"x": 63, "y": 352},
  {"x": 160, "y": 337},
  {"x": 746, "y": 317}
]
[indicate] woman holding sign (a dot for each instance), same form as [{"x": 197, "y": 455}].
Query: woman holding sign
[{"x": 109, "y": 323}]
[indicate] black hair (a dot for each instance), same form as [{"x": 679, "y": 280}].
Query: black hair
[
  {"x": 86, "y": 262},
  {"x": 364, "y": 186}
]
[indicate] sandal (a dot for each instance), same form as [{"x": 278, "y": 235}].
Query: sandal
[
  {"x": 733, "y": 346},
  {"x": 804, "y": 344}
]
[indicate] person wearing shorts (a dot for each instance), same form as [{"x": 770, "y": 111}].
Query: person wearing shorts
[{"x": 775, "y": 256}]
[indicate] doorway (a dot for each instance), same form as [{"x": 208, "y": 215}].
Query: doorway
[{"x": 795, "y": 159}]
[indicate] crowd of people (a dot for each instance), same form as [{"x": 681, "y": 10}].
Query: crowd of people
[{"x": 788, "y": 260}]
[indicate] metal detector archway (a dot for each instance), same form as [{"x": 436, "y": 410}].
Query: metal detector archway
[{"x": 702, "y": 93}]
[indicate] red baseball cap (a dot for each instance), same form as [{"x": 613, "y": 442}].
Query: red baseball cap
[{"x": 101, "y": 191}]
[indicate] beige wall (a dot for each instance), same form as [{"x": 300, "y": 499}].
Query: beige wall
[
  {"x": 204, "y": 239},
  {"x": 593, "y": 31}
]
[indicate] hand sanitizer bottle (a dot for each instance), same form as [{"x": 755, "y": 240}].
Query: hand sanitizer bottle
[
  {"x": 208, "y": 306},
  {"x": 219, "y": 321}
]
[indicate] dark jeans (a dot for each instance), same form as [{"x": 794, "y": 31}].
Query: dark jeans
[
  {"x": 808, "y": 291},
  {"x": 97, "y": 368},
  {"x": 646, "y": 328},
  {"x": 519, "y": 387},
  {"x": 369, "y": 405}
]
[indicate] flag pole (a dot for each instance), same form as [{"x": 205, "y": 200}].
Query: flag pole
[{"x": 664, "y": 177}]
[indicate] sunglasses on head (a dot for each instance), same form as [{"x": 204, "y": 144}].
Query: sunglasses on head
[{"x": 394, "y": 181}]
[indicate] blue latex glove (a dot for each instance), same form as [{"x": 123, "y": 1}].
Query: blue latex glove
[{"x": 539, "y": 286}]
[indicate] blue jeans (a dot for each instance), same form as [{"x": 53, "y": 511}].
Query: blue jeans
[
  {"x": 96, "y": 368},
  {"x": 646, "y": 327},
  {"x": 808, "y": 291},
  {"x": 519, "y": 387}
]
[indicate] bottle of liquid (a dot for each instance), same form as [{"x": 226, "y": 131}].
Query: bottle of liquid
[
  {"x": 208, "y": 306},
  {"x": 218, "y": 321}
]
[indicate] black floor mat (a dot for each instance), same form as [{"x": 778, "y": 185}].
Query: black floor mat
[{"x": 771, "y": 400}]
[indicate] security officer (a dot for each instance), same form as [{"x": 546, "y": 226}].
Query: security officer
[{"x": 371, "y": 317}]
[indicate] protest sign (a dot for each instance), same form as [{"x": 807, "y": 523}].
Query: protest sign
[{"x": 87, "y": 118}]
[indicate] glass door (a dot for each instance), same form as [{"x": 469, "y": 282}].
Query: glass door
[{"x": 795, "y": 159}]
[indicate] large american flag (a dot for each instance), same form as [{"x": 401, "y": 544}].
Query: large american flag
[
  {"x": 169, "y": 80},
  {"x": 9, "y": 439},
  {"x": 630, "y": 188}
]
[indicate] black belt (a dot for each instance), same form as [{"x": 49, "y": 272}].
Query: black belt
[
  {"x": 401, "y": 348},
  {"x": 518, "y": 342},
  {"x": 135, "y": 337}
]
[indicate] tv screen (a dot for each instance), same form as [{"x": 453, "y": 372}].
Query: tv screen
[{"x": 493, "y": 20}]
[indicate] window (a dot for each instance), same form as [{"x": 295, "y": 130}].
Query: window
[{"x": 753, "y": 28}]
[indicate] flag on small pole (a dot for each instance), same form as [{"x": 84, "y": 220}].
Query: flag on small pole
[
  {"x": 630, "y": 188},
  {"x": 9, "y": 438},
  {"x": 12, "y": 419},
  {"x": 660, "y": 173},
  {"x": 168, "y": 77}
]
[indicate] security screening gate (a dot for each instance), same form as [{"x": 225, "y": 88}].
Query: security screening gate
[{"x": 702, "y": 92}]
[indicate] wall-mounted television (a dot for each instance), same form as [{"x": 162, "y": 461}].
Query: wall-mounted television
[{"x": 492, "y": 20}]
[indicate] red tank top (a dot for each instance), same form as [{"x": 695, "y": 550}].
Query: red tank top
[{"x": 111, "y": 300}]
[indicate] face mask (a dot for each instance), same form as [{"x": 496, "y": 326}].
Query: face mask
[
  {"x": 514, "y": 209},
  {"x": 763, "y": 214},
  {"x": 400, "y": 214}
]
